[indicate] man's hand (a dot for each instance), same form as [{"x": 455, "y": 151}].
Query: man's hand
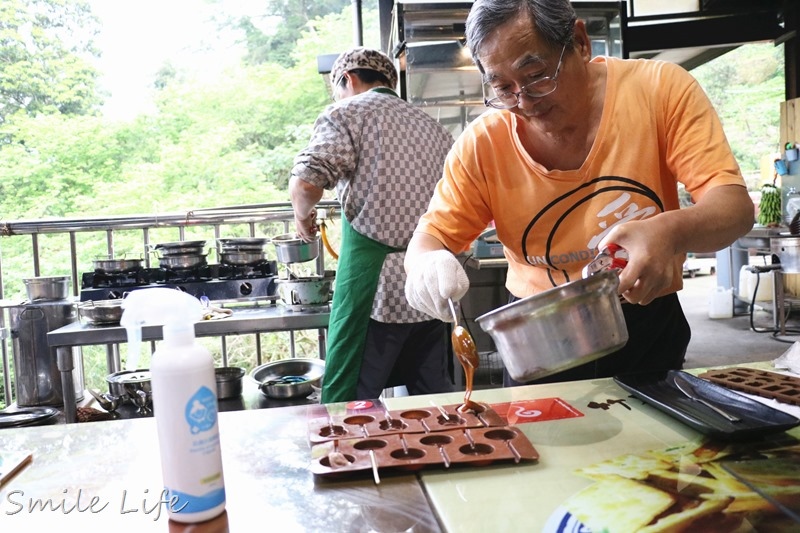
[{"x": 306, "y": 227}]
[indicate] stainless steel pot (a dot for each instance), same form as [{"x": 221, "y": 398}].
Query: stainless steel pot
[
  {"x": 311, "y": 290},
  {"x": 229, "y": 381},
  {"x": 303, "y": 375},
  {"x": 182, "y": 261},
  {"x": 180, "y": 248},
  {"x": 559, "y": 329},
  {"x": 101, "y": 312},
  {"x": 292, "y": 249},
  {"x": 787, "y": 248},
  {"x": 37, "y": 375},
  {"x": 121, "y": 384},
  {"x": 243, "y": 244},
  {"x": 116, "y": 265},
  {"x": 47, "y": 288},
  {"x": 241, "y": 258}
]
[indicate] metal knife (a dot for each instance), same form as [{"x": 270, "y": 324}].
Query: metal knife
[{"x": 683, "y": 385}]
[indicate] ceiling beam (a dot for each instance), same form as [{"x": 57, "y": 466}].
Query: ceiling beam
[{"x": 706, "y": 32}]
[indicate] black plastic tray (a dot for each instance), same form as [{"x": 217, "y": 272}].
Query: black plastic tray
[{"x": 658, "y": 390}]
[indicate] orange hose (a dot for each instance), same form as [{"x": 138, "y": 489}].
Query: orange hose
[{"x": 324, "y": 235}]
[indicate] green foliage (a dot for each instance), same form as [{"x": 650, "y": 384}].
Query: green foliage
[
  {"x": 45, "y": 46},
  {"x": 278, "y": 45},
  {"x": 746, "y": 87}
]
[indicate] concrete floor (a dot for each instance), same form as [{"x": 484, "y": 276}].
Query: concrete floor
[{"x": 730, "y": 340}]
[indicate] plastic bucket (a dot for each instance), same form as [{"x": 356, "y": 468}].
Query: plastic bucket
[{"x": 720, "y": 303}]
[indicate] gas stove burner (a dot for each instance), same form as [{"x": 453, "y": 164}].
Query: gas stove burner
[
  {"x": 104, "y": 279},
  {"x": 216, "y": 282},
  {"x": 177, "y": 275},
  {"x": 258, "y": 270}
]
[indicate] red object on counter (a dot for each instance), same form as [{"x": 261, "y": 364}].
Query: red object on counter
[{"x": 538, "y": 410}]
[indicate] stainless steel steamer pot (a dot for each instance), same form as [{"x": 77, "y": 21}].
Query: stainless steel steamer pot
[
  {"x": 47, "y": 288},
  {"x": 182, "y": 261},
  {"x": 559, "y": 329},
  {"x": 310, "y": 290},
  {"x": 242, "y": 258},
  {"x": 292, "y": 249},
  {"x": 116, "y": 265}
]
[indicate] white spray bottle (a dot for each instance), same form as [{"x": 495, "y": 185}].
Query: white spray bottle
[{"x": 184, "y": 402}]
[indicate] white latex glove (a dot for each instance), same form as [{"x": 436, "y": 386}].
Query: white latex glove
[{"x": 435, "y": 277}]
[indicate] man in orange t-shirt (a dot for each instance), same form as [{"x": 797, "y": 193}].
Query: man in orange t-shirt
[{"x": 576, "y": 154}]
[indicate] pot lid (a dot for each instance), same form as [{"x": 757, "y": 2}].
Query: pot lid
[
  {"x": 181, "y": 244},
  {"x": 243, "y": 241},
  {"x": 129, "y": 376},
  {"x": 27, "y": 416}
]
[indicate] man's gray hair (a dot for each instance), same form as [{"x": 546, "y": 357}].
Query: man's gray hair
[{"x": 554, "y": 20}]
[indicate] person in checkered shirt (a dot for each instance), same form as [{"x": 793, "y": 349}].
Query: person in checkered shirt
[{"x": 383, "y": 157}]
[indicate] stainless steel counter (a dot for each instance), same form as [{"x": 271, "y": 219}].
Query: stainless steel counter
[
  {"x": 256, "y": 319},
  {"x": 244, "y": 320}
]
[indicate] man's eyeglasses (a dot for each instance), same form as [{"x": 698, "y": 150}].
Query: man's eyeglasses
[{"x": 535, "y": 89}]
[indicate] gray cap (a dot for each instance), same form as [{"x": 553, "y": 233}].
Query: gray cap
[{"x": 366, "y": 58}]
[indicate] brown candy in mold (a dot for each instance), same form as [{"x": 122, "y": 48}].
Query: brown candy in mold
[
  {"x": 413, "y": 451},
  {"x": 759, "y": 382},
  {"x": 420, "y": 420},
  {"x": 332, "y": 431},
  {"x": 392, "y": 425},
  {"x": 449, "y": 420},
  {"x": 419, "y": 415},
  {"x": 438, "y": 440},
  {"x": 360, "y": 420}
]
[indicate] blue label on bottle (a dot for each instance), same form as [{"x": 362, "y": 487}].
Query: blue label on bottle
[
  {"x": 182, "y": 502},
  {"x": 201, "y": 410}
]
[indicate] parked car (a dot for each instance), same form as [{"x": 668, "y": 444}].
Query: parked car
[{"x": 699, "y": 264}]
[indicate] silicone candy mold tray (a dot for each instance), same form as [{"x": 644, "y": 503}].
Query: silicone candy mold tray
[
  {"x": 759, "y": 382},
  {"x": 377, "y": 423},
  {"x": 414, "y": 451}
]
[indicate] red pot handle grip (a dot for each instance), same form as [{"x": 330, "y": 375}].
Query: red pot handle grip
[
  {"x": 618, "y": 254},
  {"x": 611, "y": 257}
]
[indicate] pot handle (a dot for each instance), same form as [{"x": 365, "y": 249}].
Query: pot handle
[{"x": 612, "y": 257}]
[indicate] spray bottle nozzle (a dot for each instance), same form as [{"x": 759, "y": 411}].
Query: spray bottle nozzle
[{"x": 176, "y": 310}]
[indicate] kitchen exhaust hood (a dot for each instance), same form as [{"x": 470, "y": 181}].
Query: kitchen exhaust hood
[{"x": 436, "y": 68}]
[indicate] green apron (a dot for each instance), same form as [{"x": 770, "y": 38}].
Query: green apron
[{"x": 357, "y": 273}]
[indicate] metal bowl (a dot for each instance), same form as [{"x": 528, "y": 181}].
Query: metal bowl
[
  {"x": 101, "y": 312},
  {"x": 271, "y": 377},
  {"x": 292, "y": 249},
  {"x": 47, "y": 288},
  {"x": 229, "y": 381},
  {"x": 116, "y": 265}
]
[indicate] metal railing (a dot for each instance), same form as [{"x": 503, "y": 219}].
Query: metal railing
[{"x": 215, "y": 219}]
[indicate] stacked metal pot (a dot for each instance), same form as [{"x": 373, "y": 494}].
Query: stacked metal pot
[
  {"x": 302, "y": 291},
  {"x": 39, "y": 370},
  {"x": 181, "y": 254},
  {"x": 242, "y": 251},
  {"x": 116, "y": 265}
]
